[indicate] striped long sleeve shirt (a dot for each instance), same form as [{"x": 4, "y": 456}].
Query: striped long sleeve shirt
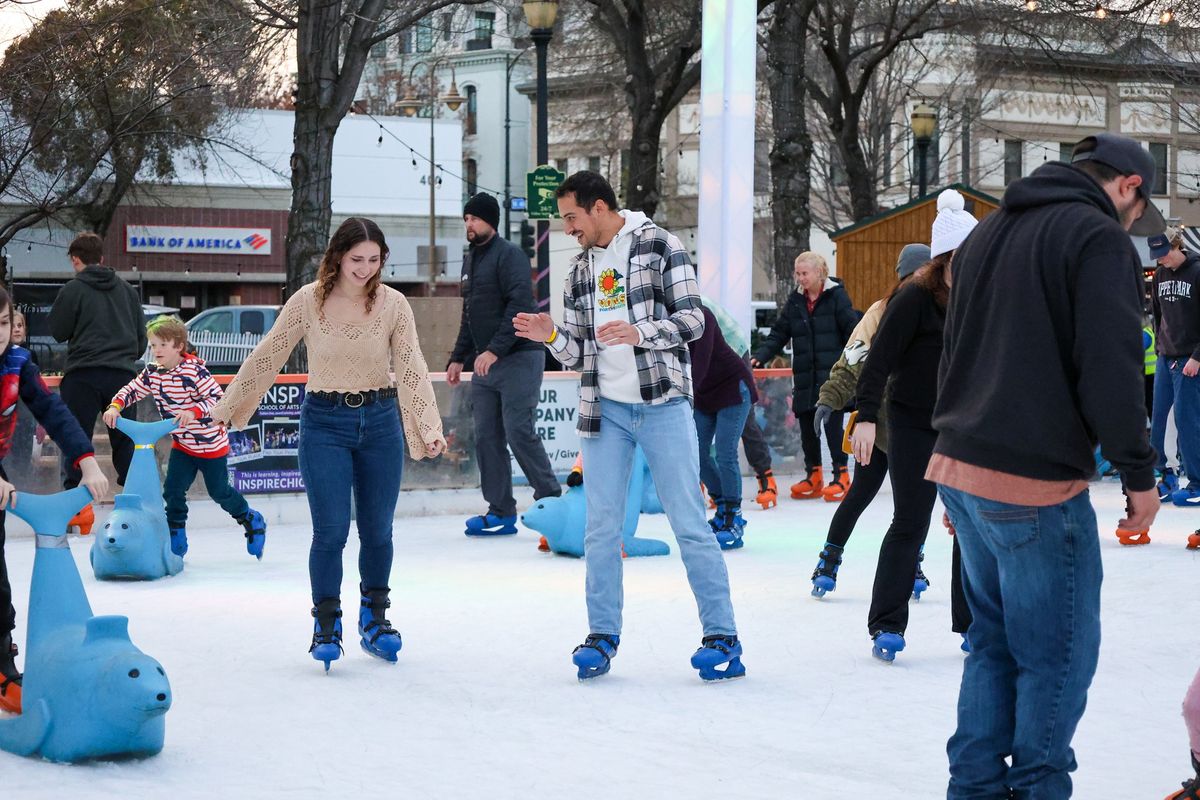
[{"x": 188, "y": 386}]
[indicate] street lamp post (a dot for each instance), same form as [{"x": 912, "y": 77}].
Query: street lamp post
[
  {"x": 540, "y": 14},
  {"x": 507, "y": 148},
  {"x": 924, "y": 122},
  {"x": 411, "y": 105}
]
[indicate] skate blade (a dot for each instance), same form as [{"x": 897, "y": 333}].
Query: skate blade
[
  {"x": 586, "y": 674},
  {"x": 485, "y": 532},
  {"x": 886, "y": 656},
  {"x": 732, "y": 672},
  {"x": 1128, "y": 537},
  {"x": 818, "y": 592},
  {"x": 382, "y": 655}
]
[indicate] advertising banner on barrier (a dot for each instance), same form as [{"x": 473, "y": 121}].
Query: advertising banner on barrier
[
  {"x": 262, "y": 457},
  {"x": 554, "y": 419}
]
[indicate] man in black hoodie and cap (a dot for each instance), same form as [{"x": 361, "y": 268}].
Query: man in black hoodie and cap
[
  {"x": 506, "y": 383},
  {"x": 100, "y": 317},
  {"x": 1042, "y": 360}
]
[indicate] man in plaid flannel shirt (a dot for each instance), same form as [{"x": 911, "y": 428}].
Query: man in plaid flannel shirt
[{"x": 631, "y": 305}]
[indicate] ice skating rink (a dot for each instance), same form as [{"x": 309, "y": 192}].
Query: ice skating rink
[{"x": 484, "y": 701}]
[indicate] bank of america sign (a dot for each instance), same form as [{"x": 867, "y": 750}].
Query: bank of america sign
[{"x": 210, "y": 241}]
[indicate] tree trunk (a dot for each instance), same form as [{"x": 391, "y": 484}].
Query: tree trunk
[
  {"x": 791, "y": 151},
  {"x": 642, "y": 190},
  {"x": 864, "y": 198}
]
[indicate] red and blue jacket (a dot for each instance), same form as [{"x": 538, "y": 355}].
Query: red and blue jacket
[{"x": 21, "y": 379}]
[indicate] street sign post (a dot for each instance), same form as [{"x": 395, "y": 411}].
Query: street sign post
[{"x": 541, "y": 184}]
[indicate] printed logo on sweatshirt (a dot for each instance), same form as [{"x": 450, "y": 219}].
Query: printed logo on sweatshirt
[
  {"x": 611, "y": 290},
  {"x": 1174, "y": 290}
]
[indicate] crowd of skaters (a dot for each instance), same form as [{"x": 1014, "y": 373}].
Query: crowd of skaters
[{"x": 1050, "y": 281}]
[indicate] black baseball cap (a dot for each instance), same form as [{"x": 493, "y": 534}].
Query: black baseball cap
[{"x": 1128, "y": 158}]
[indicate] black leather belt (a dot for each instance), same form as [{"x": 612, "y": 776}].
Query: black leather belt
[{"x": 355, "y": 399}]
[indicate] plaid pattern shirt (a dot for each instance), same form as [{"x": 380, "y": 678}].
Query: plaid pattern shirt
[{"x": 664, "y": 305}]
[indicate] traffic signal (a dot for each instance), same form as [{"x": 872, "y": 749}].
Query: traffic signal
[{"x": 528, "y": 242}]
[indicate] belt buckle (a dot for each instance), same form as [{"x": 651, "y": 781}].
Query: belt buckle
[{"x": 361, "y": 399}]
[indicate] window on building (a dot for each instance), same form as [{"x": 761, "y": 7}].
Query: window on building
[
  {"x": 562, "y": 165},
  {"x": 424, "y": 35},
  {"x": 1013, "y": 162},
  {"x": 932, "y": 158},
  {"x": 472, "y": 111},
  {"x": 471, "y": 170},
  {"x": 379, "y": 50},
  {"x": 1158, "y": 151},
  {"x": 447, "y": 25},
  {"x": 594, "y": 163},
  {"x": 485, "y": 25},
  {"x": 406, "y": 41},
  {"x": 1064, "y": 151}
]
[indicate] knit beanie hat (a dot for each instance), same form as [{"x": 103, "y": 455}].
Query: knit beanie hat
[
  {"x": 484, "y": 206},
  {"x": 952, "y": 224},
  {"x": 911, "y": 258}
]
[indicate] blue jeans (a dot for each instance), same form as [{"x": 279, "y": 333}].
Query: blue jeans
[
  {"x": 344, "y": 450},
  {"x": 1032, "y": 578},
  {"x": 1164, "y": 398},
  {"x": 1187, "y": 413},
  {"x": 181, "y": 471},
  {"x": 724, "y": 477},
  {"x": 667, "y": 436}
]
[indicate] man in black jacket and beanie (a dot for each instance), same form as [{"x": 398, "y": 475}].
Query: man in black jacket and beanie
[
  {"x": 1042, "y": 359},
  {"x": 100, "y": 317},
  {"x": 507, "y": 370}
]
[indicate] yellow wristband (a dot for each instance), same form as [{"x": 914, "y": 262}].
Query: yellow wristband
[{"x": 553, "y": 336}]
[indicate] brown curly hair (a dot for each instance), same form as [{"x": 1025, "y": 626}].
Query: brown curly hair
[
  {"x": 354, "y": 231},
  {"x": 932, "y": 278}
]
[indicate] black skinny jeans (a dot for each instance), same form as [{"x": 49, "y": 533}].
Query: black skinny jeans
[
  {"x": 910, "y": 445},
  {"x": 811, "y": 443},
  {"x": 867, "y": 481}
]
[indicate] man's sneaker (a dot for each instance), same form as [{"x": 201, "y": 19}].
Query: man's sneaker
[
  {"x": 491, "y": 525},
  {"x": 1168, "y": 484},
  {"x": 1188, "y": 495}
]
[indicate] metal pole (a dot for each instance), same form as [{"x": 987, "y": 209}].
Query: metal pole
[
  {"x": 507, "y": 158},
  {"x": 433, "y": 265},
  {"x": 541, "y": 37},
  {"x": 922, "y": 149}
]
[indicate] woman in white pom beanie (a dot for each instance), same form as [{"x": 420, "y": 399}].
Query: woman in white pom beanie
[
  {"x": 905, "y": 354},
  {"x": 952, "y": 224}
]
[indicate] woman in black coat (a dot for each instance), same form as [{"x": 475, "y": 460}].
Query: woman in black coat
[{"x": 818, "y": 319}]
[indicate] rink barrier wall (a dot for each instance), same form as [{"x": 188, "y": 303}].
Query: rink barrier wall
[{"x": 273, "y": 455}]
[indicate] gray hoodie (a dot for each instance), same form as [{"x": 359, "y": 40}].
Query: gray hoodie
[{"x": 100, "y": 316}]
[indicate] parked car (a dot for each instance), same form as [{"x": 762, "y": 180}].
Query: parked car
[{"x": 224, "y": 335}]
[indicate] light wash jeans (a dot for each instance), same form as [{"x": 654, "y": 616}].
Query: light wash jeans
[
  {"x": 1032, "y": 577},
  {"x": 667, "y": 436},
  {"x": 723, "y": 478}
]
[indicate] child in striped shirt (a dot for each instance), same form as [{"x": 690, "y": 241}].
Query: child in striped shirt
[{"x": 183, "y": 388}]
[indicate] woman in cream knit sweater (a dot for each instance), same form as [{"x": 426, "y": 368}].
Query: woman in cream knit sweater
[{"x": 354, "y": 422}]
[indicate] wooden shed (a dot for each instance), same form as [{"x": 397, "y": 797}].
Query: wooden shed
[{"x": 867, "y": 250}]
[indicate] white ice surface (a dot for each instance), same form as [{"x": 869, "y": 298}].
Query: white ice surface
[{"x": 484, "y": 701}]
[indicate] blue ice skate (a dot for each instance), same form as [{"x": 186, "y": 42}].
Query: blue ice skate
[
  {"x": 733, "y": 527},
  {"x": 715, "y": 651},
  {"x": 1188, "y": 496},
  {"x": 1168, "y": 484},
  {"x": 491, "y": 525},
  {"x": 886, "y": 645},
  {"x": 379, "y": 638},
  {"x": 718, "y": 517},
  {"x": 824, "y": 577},
  {"x": 179, "y": 544},
  {"x": 256, "y": 532},
  {"x": 920, "y": 582},
  {"x": 595, "y": 655},
  {"x": 327, "y": 632},
  {"x": 966, "y": 644}
]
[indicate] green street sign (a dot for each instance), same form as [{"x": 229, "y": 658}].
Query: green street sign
[{"x": 541, "y": 184}]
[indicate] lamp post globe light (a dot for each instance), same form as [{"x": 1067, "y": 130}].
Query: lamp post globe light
[
  {"x": 924, "y": 123},
  {"x": 541, "y": 14},
  {"x": 412, "y": 105}
]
